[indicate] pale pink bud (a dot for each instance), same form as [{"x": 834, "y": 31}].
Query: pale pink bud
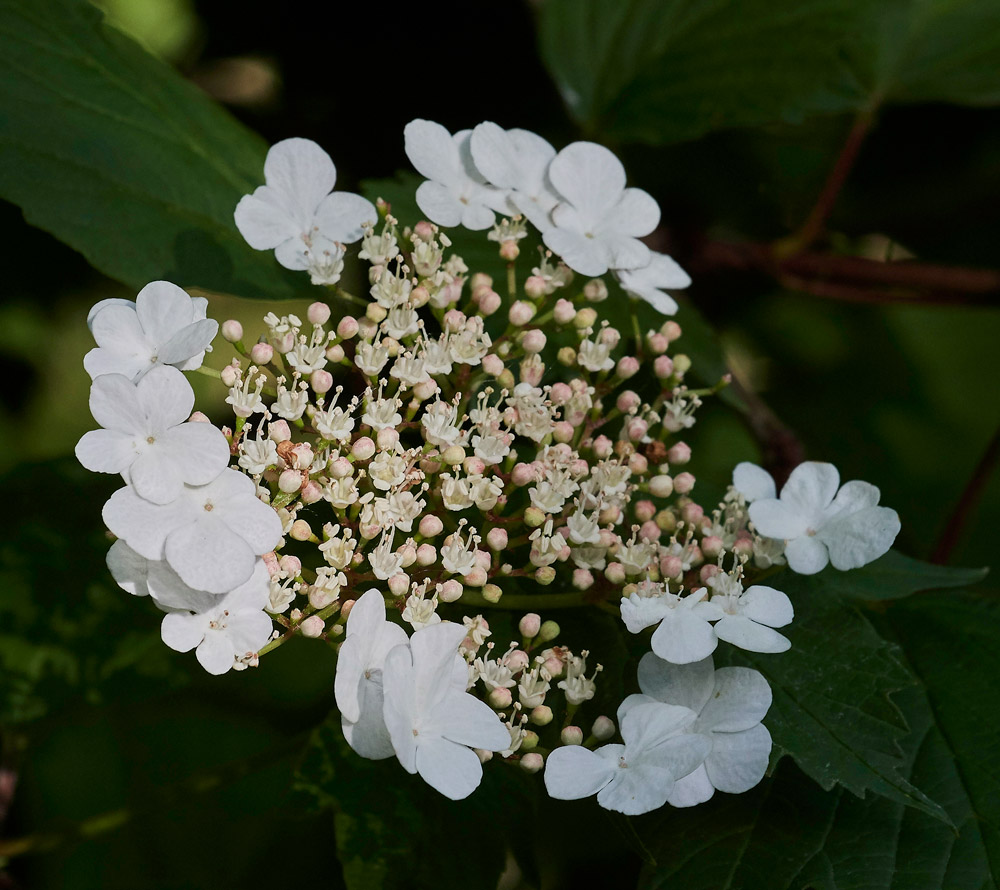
[
  {"x": 711, "y": 546},
  {"x": 387, "y": 438},
  {"x": 517, "y": 660},
  {"x": 229, "y": 375},
  {"x": 430, "y": 526},
  {"x": 661, "y": 486},
  {"x": 671, "y": 330},
  {"x": 541, "y": 715},
  {"x": 595, "y": 290},
  {"x": 663, "y": 367},
  {"x": 291, "y": 565},
  {"x": 563, "y": 312},
  {"x": 637, "y": 429},
  {"x": 198, "y": 417},
  {"x": 603, "y": 728},
  {"x": 321, "y": 381},
  {"x": 479, "y": 281},
  {"x": 450, "y": 591},
  {"x": 679, "y": 453},
  {"x": 560, "y": 393},
  {"x": 628, "y": 366},
  {"x": 345, "y": 608},
  {"x": 232, "y": 330},
  {"x": 520, "y": 313},
  {"x": 285, "y": 342},
  {"x": 318, "y": 313},
  {"x": 583, "y": 579},
  {"x": 603, "y": 447},
  {"x": 399, "y": 584},
  {"x": 499, "y": 698},
  {"x": 424, "y": 231},
  {"x": 610, "y": 337},
  {"x": 419, "y": 296},
  {"x": 671, "y": 567},
  {"x": 454, "y": 320},
  {"x": 615, "y": 573},
  {"x": 363, "y": 448},
  {"x": 533, "y": 341},
  {"x": 426, "y": 554},
  {"x": 532, "y": 372},
  {"x": 553, "y": 665},
  {"x": 610, "y": 514},
  {"x": 650, "y": 531},
  {"x": 708, "y": 571},
  {"x": 692, "y": 513},
  {"x": 637, "y": 463},
  {"x": 320, "y": 598},
  {"x": 311, "y": 493},
  {"x": 335, "y": 353},
  {"x": 683, "y": 483},
  {"x": 563, "y": 431},
  {"x": 645, "y": 510},
  {"x": 534, "y": 287},
  {"x": 271, "y": 563},
  {"x": 657, "y": 343},
  {"x": 493, "y": 365},
  {"x": 522, "y": 474},
  {"x": 627, "y": 401},
  {"x": 290, "y": 481},
  {"x": 484, "y": 559},
  {"x": 278, "y": 431},
  {"x": 509, "y": 251},
  {"x": 532, "y": 762},
  {"x": 476, "y": 577},
  {"x": 489, "y": 302},
  {"x": 300, "y": 530},
  {"x": 496, "y": 539},
  {"x": 367, "y": 329},
  {"x": 261, "y": 353},
  {"x": 424, "y": 390},
  {"x": 475, "y": 466},
  {"x": 312, "y": 627},
  {"x": 409, "y": 554},
  {"x": 341, "y": 468},
  {"x": 571, "y": 735},
  {"x": 347, "y": 327}
]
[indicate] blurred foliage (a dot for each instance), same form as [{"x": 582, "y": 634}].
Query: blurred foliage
[{"x": 137, "y": 770}]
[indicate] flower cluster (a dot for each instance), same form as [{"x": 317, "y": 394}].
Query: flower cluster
[{"x": 463, "y": 445}]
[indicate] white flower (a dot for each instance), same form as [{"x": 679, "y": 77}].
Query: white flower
[
  {"x": 821, "y": 524},
  {"x": 256, "y": 455},
  {"x": 432, "y": 721},
  {"x": 636, "y": 777},
  {"x": 533, "y": 687},
  {"x": 164, "y": 326},
  {"x": 419, "y": 612},
  {"x": 730, "y": 703},
  {"x": 597, "y": 225},
  {"x": 358, "y": 684},
  {"x": 749, "y": 617},
  {"x": 455, "y": 193},
  {"x": 649, "y": 282},
  {"x": 223, "y": 628},
  {"x": 128, "y": 568},
  {"x": 210, "y": 535},
  {"x": 685, "y": 633},
  {"x": 297, "y": 217},
  {"x": 753, "y": 482},
  {"x": 517, "y": 161},
  {"x": 594, "y": 356},
  {"x": 145, "y": 436}
]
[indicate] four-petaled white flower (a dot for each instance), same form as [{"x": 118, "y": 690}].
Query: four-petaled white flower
[
  {"x": 822, "y": 521},
  {"x": 298, "y": 216},
  {"x": 685, "y": 632},
  {"x": 749, "y": 617},
  {"x": 164, "y": 326},
  {"x": 145, "y": 436},
  {"x": 597, "y": 225},
  {"x": 518, "y": 162},
  {"x": 210, "y": 535},
  {"x": 650, "y": 282},
  {"x": 636, "y": 777},
  {"x": 432, "y": 721},
  {"x": 455, "y": 192},
  {"x": 223, "y": 628},
  {"x": 358, "y": 685},
  {"x": 730, "y": 703}
]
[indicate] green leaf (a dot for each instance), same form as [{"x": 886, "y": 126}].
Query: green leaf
[
  {"x": 787, "y": 834},
  {"x": 114, "y": 153},
  {"x": 831, "y": 709},
  {"x": 389, "y": 823},
  {"x": 894, "y": 576}
]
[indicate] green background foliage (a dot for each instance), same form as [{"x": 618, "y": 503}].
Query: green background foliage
[{"x": 135, "y": 769}]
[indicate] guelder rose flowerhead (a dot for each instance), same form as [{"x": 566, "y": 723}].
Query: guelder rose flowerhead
[
  {"x": 223, "y": 628},
  {"x": 210, "y": 535},
  {"x": 358, "y": 685},
  {"x": 455, "y": 192},
  {"x": 730, "y": 703},
  {"x": 432, "y": 721},
  {"x": 517, "y": 161},
  {"x": 145, "y": 436},
  {"x": 636, "y": 777},
  {"x": 597, "y": 225},
  {"x": 650, "y": 282},
  {"x": 822, "y": 521},
  {"x": 164, "y": 326},
  {"x": 297, "y": 216}
]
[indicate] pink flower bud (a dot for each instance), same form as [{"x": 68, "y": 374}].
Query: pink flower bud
[
  {"x": 743, "y": 547},
  {"x": 683, "y": 483},
  {"x": 312, "y": 627},
  {"x": 637, "y": 463},
  {"x": 387, "y": 437},
  {"x": 603, "y": 447},
  {"x": 615, "y": 573},
  {"x": 484, "y": 559},
  {"x": 489, "y": 303},
  {"x": 671, "y": 567},
  {"x": 290, "y": 481},
  {"x": 531, "y": 762},
  {"x": 424, "y": 231},
  {"x": 345, "y": 608},
  {"x": 335, "y": 353},
  {"x": 663, "y": 367},
  {"x": 300, "y": 530},
  {"x": 541, "y": 715},
  {"x": 493, "y": 365},
  {"x": 426, "y": 554},
  {"x": 533, "y": 340},
  {"x": 261, "y": 353},
  {"x": 520, "y": 313},
  {"x": 509, "y": 251},
  {"x": 610, "y": 337},
  {"x": 661, "y": 486},
  {"x": 341, "y": 468},
  {"x": 571, "y": 735},
  {"x": 564, "y": 312},
  {"x": 318, "y": 313},
  {"x": 278, "y": 431},
  {"x": 291, "y": 565},
  {"x": 583, "y": 579},
  {"x": 627, "y": 401},
  {"x": 229, "y": 375},
  {"x": 450, "y": 591},
  {"x": 692, "y": 513},
  {"x": 419, "y": 296},
  {"x": 321, "y": 381},
  {"x": 363, "y": 448},
  {"x": 311, "y": 493},
  {"x": 529, "y": 625},
  {"x": 499, "y": 698},
  {"x": 496, "y": 539},
  {"x": 650, "y": 531},
  {"x": 560, "y": 394},
  {"x": 516, "y": 661},
  {"x": 232, "y": 330},
  {"x": 522, "y": 474},
  {"x": 679, "y": 453},
  {"x": 534, "y": 287},
  {"x": 603, "y": 728},
  {"x": 595, "y": 290},
  {"x": 409, "y": 554},
  {"x": 671, "y": 330},
  {"x": 637, "y": 429},
  {"x": 657, "y": 343},
  {"x": 628, "y": 366},
  {"x": 399, "y": 584},
  {"x": 430, "y": 526},
  {"x": 563, "y": 431},
  {"x": 711, "y": 546},
  {"x": 644, "y": 510},
  {"x": 367, "y": 329},
  {"x": 271, "y": 563},
  {"x": 474, "y": 466},
  {"x": 347, "y": 327},
  {"x": 476, "y": 577},
  {"x": 708, "y": 571},
  {"x": 454, "y": 321}
]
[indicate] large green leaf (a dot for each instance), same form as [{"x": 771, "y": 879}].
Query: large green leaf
[
  {"x": 789, "y": 835},
  {"x": 662, "y": 71},
  {"x": 114, "y": 153}
]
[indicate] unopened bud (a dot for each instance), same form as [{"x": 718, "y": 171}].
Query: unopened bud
[
  {"x": 533, "y": 517},
  {"x": 430, "y": 526},
  {"x": 603, "y": 728},
  {"x": 679, "y": 453},
  {"x": 682, "y": 364},
  {"x": 321, "y": 381},
  {"x": 496, "y": 539},
  {"x": 520, "y": 313},
  {"x": 683, "y": 483},
  {"x": 426, "y": 554},
  {"x": 595, "y": 290},
  {"x": 548, "y": 631},
  {"x": 261, "y": 353},
  {"x": 663, "y": 367},
  {"x": 615, "y": 573},
  {"x": 711, "y": 546},
  {"x": 628, "y": 366},
  {"x": 312, "y": 627},
  {"x": 311, "y": 493},
  {"x": 545, "y": 575},
  {"x": 290, "y": 481},
  {"x": 529, "y": 740},
  {"x": 532, "y": 763},
  {"x": 318, "y": 313},
  {"x": 300, "y": 530},
  {"x": 347, "y": 327},
  {"x": 534, "y": 287},
  {"x": 229, "y": 375},
  {"x": 585, "y": 318},
  {"x": 657, "y": 344},
  {"x": 541, "y": 715},
  {"x": 232, "y": 330},
  {"x": 533, "y": 341},
  {"x": 453, "y": 455},
  {"x": 566, "y": 356},
  {"x": 363, "y": 448},
  {"x": 399, "y": 584},
  {"x": 571, "y": 735},
  {"x": 529, "y": 625},
  {"x": 499, "y": 698},
  {"x": 450, "y": 591},
  {"x": 491, "y": 592},
  {"x": 661, "y": 486}
]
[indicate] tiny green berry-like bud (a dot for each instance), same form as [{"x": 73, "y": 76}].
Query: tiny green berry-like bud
[
  {"x": 682, "y": 364},
  {"x": 603, "y": 728},
  {"x": 548, "y": 631},
  {"x": 571, "y": 735},
  {"x": 585, "y": 318},
  {"x": 492, "y": 593},
  {"x": 566, "y": 356},
  {"x": 533, "y": 517},
  {"x": 499, "y": 698},
  {"x": 545, "y": 575},
  {"x": 529, "y": 741},
  {"x": 541, "y": 715},
  {"x": 531, "y": 763}
]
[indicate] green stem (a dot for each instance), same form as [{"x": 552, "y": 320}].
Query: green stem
[{"x": 529, "y": 602}]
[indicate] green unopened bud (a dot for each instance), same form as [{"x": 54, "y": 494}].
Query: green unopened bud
[
  {"x": 566, "y": 356},
  {"x": 533, "y": 517},
  {"x": 376, "y": 313},
  {"x": 492, "y": 593},
  {"x": 682, "y": 364},
  {"x": 506, "y": 379},
  {"x": 666, "y": 520},
  {"x": 541, "y": 715},
  {"x": 548, "y": 631},
  {"x": 545, "y": 575},
  {"x": 529, "y": 741},
  {"x": 585, "y": 318}
]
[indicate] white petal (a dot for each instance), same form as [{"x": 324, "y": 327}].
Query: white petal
[
  {"x": 494, "y": 154},
  {"x": 188, "y": 342},
  {"x": 633, "y": 701},
  {"x": 776, "y": 519},
  {"x": 810, "y": 488},
  {"x": 110, "y": 301},
  {"x": 143, "y": 526},
  {"x": 163, "y": 309},
  {"x": 739, "y": 759},
  {"x": 636, "y": 214},
  {"x": 249, "y": 631},
  {"x": 765, "y": 605},
  {"x": 302, "y": 173},
  {"x": 200, "y": 449},
  {"x": 683, "y": 637},
  {"x": 433, "y": 152},
  {"x": 689, "y": 685},
  {"x": 263, "y": 223},
  {"x": 581, "y": 254},
  {"x": 170, "y": 592},
  {"x": 860, "y": 538},
  {"x": 293, "y": 254},
  {"x": 477, "y": 216},
  {"x": 693, "y": 789},
  {"x": 680, "y": 755},
  {"x": 156, "y": 475},
  {"x": 751, "y": 636},
  {"x": 740, "y": 699},
  {"x": 399, "y": 705},
  {"x": 852, "y": 497},
  {"x": 573, "y": 772},
  {"x": 661, "y": 302},
  {"x": 452, "y": 769},
  {"x": 253, "y": 520},
  {"x": 209, "y": 556},
  {"x": 623, "y": 252},
  {"x": 466, "y": 720},
  {"x": 439, "y": 204},
  {"x": 165, "y": 396},
  {"x": 106, "y": 451},
  {"x": 128, "y": 568},
  {"x": 640, "y": 612},
  {"x": 115, "y": 405},
  {"x": 215, "y": 654},
  {"x": 349, "y": 678},
  {"x": 368, "y": 735},
  {"x": 102, "y": 361},
  {"x": 590, "y": 177},
  {"x": 342, "y": 217},
  {"x": 753, "y": 482},
  {"x": 806, "y": 555},
  {"x": 636, "y": 790},
  {"x": 183, "y": 632},
  {"x": 647, "y": 726}
]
